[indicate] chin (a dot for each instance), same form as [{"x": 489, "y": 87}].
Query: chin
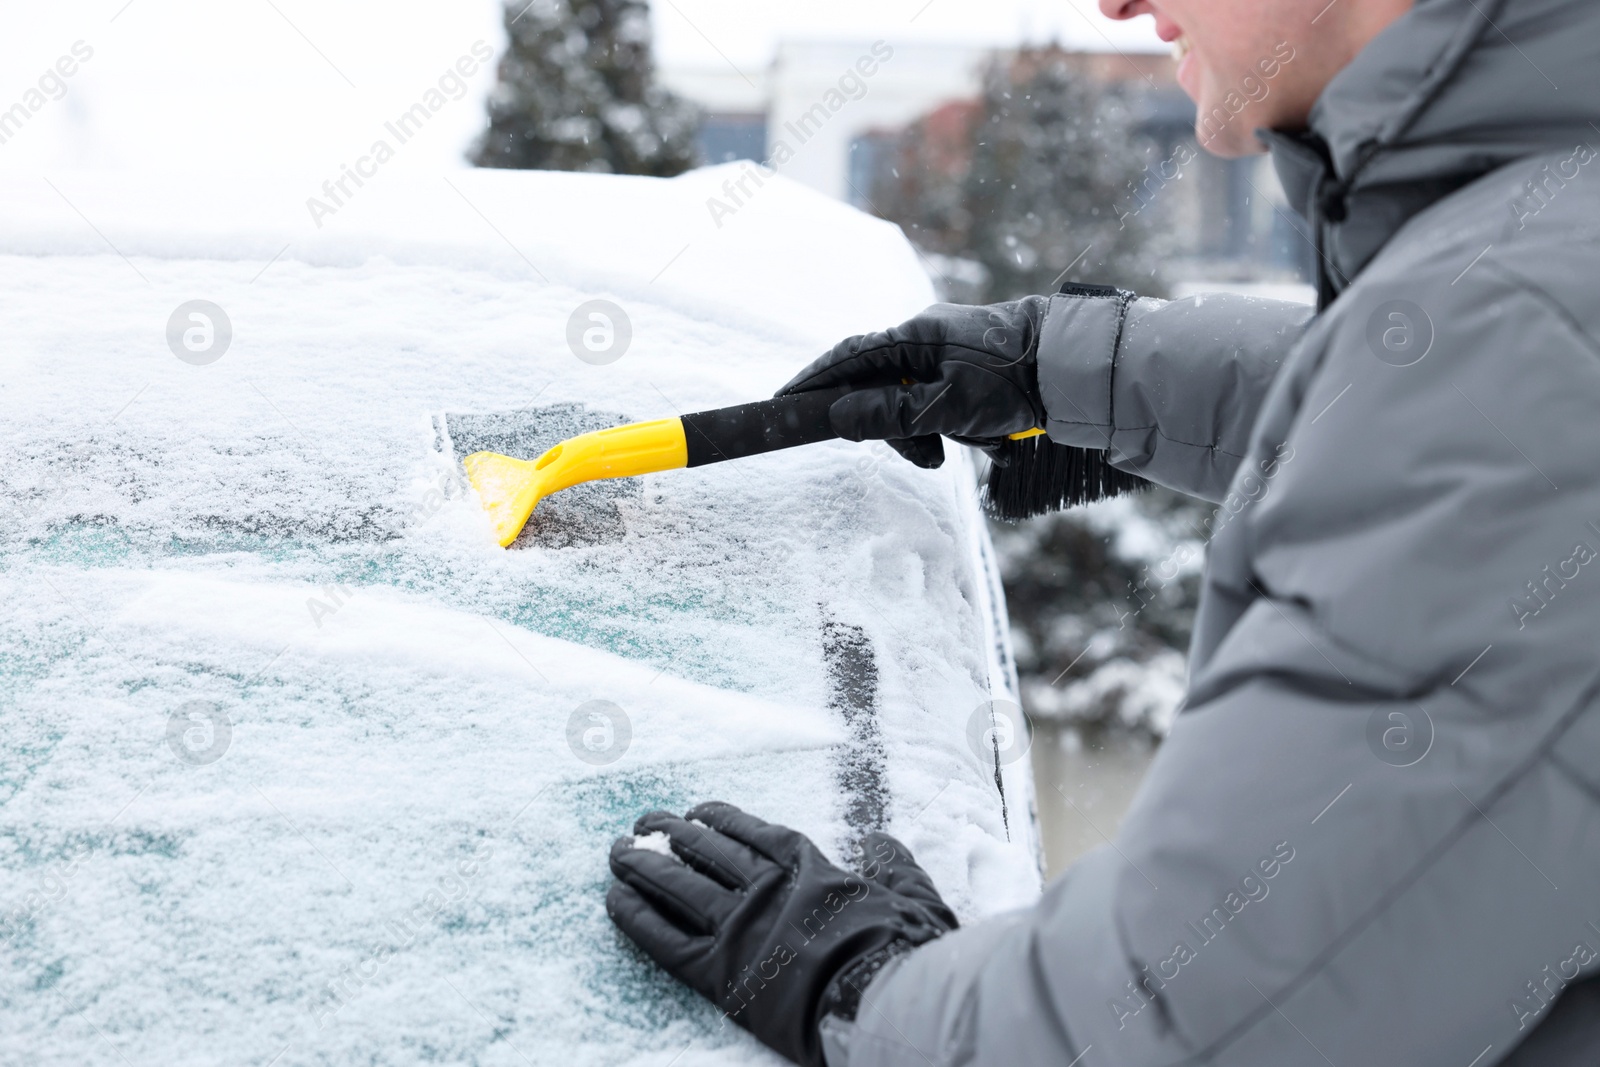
[
  {"x": 1230, "y": 143},
  {"x": 1225, "y": 129}
]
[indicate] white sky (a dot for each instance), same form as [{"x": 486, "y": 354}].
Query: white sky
[
  {"x": 694, "y": 32},
  {"x": 306, "y": 85}
]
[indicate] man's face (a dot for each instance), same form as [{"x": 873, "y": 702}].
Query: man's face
[{"x": 1254, "y": 64}]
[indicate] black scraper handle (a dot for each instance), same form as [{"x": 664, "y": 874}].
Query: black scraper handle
[{"x": 765, "y": 426}]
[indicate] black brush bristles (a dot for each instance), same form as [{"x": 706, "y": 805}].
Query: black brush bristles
[{"x": 1035, "y": 476}]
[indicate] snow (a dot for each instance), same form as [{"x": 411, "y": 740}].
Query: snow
[
  {"x": 1120, "y": 691},
  {"x": 657, "y": 842},
  {"x": 298, "y": 762},
  {"x": 1139, "y": 536},
  {"x": 1131, "y": 678}
]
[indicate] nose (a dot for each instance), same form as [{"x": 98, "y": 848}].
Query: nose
[{"x": 1125, "y": 9}]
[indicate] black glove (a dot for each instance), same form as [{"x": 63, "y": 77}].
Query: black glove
[
  {"x": 975, "y": 374},
  {"x": 754, "y": 917}
]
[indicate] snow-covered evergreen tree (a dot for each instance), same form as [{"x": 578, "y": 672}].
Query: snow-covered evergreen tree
[
  {"x": 1055, "y": 154},
  {"x": 1027, "y": 181},
  {"x": 577, "y": 91},
  {"x": 1102, "y": 601}
]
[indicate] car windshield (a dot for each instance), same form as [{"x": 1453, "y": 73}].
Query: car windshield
[{"x": 297, "y": 757}]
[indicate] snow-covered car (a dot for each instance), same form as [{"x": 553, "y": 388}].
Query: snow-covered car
[{"x": 299, "y": 766}]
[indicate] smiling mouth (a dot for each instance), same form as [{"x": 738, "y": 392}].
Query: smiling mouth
[{"x": 1180, "y": 47}]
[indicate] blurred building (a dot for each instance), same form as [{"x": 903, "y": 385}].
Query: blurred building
[
  {"x": 734, "y": 108},
  {"x": 1226, "y": 220}
]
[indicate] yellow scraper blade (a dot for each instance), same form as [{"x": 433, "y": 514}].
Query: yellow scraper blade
[{"x": 509, "y": 489}]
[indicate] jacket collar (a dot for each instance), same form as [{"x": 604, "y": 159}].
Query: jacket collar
[{"x": 1450, "y": 91}]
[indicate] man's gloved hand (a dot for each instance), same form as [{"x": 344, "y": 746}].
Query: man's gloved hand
[
  {"x": 975, "y": 375},
  {"x": 754, "y": 917}
]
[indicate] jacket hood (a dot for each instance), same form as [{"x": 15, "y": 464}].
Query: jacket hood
[{"x": 1451, "y": 91}]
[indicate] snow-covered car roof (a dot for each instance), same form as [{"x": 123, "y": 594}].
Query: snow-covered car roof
[{"x": 299, "y": 766}]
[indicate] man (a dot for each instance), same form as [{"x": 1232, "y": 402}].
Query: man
[{"x": 1373, "y": 836}]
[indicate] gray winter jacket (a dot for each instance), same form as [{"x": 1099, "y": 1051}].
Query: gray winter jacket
[{"x": 1373, "y": 836}]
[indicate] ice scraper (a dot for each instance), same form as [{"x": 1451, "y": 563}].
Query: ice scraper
[
  {"x": 1030, "y": 474},
  {"x": 510, "y": 488}
]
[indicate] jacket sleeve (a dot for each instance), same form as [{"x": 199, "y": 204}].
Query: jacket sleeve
[
  {"x": 1170, "y": 389},
  {"x": 931, "y": 1007}
]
